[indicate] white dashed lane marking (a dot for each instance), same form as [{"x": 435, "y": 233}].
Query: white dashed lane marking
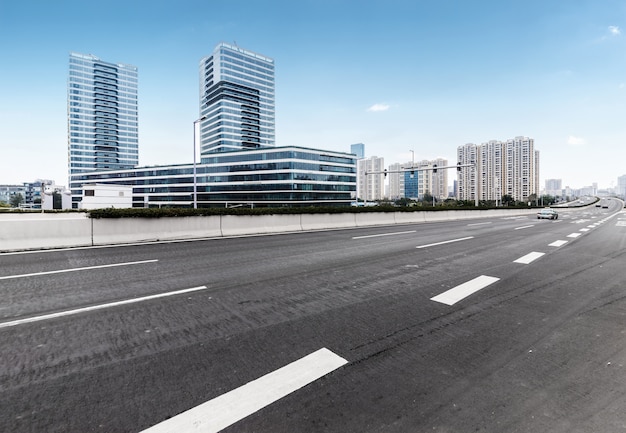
[
  {"x": 227, "y": 409},
  {"x": 529, "y": 258},
  {"x": 462, "y": 291},
  {"x": 97, "y": 307}
]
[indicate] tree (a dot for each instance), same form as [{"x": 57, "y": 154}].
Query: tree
[
  {"x": 16, "y": 200},
  {"x": 507, "y": 200},
  {"x": 427, "y": 198}
]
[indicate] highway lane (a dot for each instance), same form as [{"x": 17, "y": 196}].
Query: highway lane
[{"x": 272, "y": 300}]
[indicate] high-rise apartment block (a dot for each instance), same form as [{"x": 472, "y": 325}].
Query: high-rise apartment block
[
  {"x": 621, "y": 186},
  {"x": 554, "y": 187},
  {"x": 500, "y": 168},
  {"x": 236, "y": 100},
  {"x": 414, "y": 184},
  {"x": 102, "y": 116},
  {"x": 370, "y": 178}
]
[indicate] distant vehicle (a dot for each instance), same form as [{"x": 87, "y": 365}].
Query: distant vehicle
[{"x": 550, "y": 214}]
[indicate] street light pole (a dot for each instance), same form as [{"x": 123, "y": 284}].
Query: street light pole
[{"x": 195, "y": 172}]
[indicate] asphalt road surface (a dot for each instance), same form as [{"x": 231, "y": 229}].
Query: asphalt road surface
[{"x": 486, "y": 325}]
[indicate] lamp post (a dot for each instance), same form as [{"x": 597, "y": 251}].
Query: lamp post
[{"x": 195, "y": 172}]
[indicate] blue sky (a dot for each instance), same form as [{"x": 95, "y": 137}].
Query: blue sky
[{"x": 421, "y": 75}]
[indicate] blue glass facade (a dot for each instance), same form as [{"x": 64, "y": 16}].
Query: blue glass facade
[
  {"x": 411, "y": 184},
  {"x": 102, "y": 116},
  {"x": 236, "y": 100},
  {"x": 269, "y": 177}
]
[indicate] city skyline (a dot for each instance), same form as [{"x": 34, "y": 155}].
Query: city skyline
[{"x": 397, "y": 76}]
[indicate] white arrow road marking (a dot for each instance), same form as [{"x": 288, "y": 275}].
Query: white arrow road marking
[
  {"x": 462, "y": 291},
  {"x": 227, "y": 409}
]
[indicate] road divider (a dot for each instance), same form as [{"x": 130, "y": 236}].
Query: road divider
[{"x": 22, "y": 232}]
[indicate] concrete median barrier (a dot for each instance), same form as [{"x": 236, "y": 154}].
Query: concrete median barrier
[
  {"x": 409, "y": 217},
  {"x": 327, "y": 221},
  {"x": 128, "y": 230},
  {"x": 40, "y": 231},
  {"x": 374, "y": 219},
  {"x": 236, "y": 225}
]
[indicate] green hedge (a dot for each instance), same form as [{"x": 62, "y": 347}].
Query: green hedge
[{"x": 183, "y": 212}]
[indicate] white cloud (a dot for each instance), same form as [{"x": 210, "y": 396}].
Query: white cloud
[
  {"x": 378, "y": 107},
  {"x": 575, "y": 141},
  {"x": 615, "y": 31}
]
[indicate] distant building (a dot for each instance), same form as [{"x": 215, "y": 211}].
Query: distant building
[
  {"x": 102, "y": 117},
  {"x": 8, "y": 191},
  {"x": 439, "y": 180},
  {"x": 422, "y": 180},
  {"x": 358, "y": 149},
  {"x": 396, "y": 181},
  {"x": 554, "y": 187},
  {"x": 621, "y": 186},
  {"x": 371, "y": 180},
  {"x": 236, "y": 100},
  {"x": 499, "y": 168},
  {"x": 99, "y": 196},
  {"x": 239, "y": 163},
  {"x": 268, "y": 177}
]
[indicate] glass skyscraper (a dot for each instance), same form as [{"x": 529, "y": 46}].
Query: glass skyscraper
[
  {"x": 236, "y": 100},
  {"x": 102, "y": 116}
]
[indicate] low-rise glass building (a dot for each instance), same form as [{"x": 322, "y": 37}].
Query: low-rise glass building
[{"x": 267, "y": 177}]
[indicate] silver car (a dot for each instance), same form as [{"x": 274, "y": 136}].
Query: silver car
[{"x": 550, "y": 214}]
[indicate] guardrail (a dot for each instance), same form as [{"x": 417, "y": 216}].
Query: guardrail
[{"x": 41, "y": 231}]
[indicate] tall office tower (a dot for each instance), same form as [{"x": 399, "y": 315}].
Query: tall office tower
[
  {"x": 236, "y": 100},
  {"x": 102, "y": 115},
  {"x": 358, "y": 149}
]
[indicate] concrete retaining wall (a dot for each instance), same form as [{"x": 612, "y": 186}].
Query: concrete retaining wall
[{"x": 29, "y": 231}]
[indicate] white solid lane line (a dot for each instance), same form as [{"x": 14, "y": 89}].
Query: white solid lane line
[
  {"x": 227, "y": 409},
  {"x": 445, "y": 242},
  {"x": 524, "y": 227},
  {"x": 479, "y": 224},
  {"x": 529, "y": 258},
  {"x": 462, "y": 291},
  {"x": 86, "y": 268},
  {"x": 384, "y": 234},
  {"x": 557, "y": 243},
  {"x": 97, "y": 307}
]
